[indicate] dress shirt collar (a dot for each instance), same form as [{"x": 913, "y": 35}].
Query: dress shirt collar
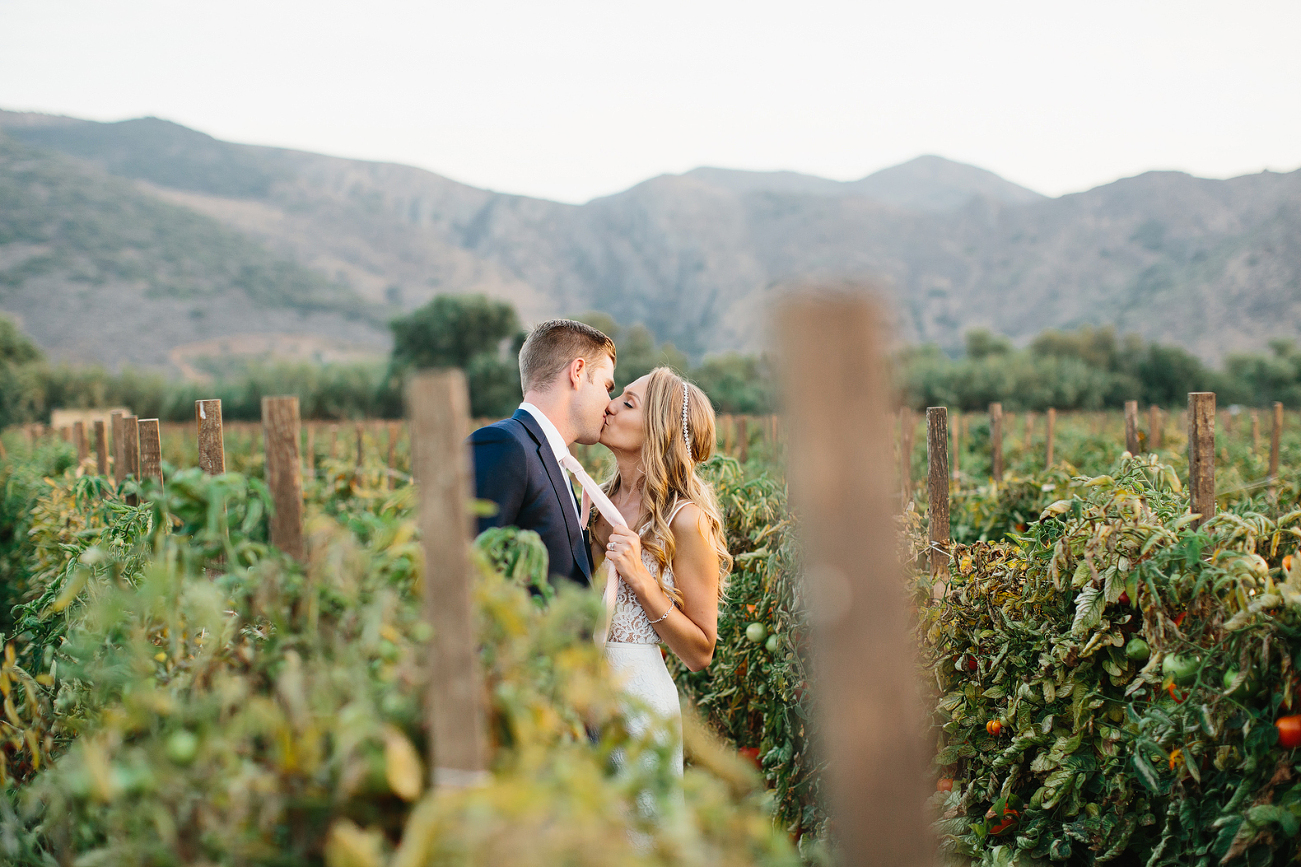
[{"x": 554, "y": 439}]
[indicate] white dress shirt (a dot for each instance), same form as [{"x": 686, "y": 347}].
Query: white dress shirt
[{"x": 558, "y": 446}]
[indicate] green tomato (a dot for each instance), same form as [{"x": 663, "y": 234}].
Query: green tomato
[
  {"x": 1137, "y": 650},
  {"x": 1248, "y": 687},
  {"x": 1180, "y": 667},
  {"x": 756, "y": 633},
  {"x": 182, "y": 747},
  {"x": 772, "y": 644}
]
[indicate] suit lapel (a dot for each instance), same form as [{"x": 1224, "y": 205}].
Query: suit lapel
[{"x": 563, "y": 493}]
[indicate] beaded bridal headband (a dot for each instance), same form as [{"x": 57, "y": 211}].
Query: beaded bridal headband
[{"x": 685, "y": 437}]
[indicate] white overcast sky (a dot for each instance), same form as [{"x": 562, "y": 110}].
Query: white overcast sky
[{"x": 571, "y": 100}]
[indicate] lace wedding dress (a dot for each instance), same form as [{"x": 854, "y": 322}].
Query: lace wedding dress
[{"x": 633, "y": 654}]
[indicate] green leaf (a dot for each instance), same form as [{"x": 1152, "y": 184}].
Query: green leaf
[{"x": 1088, "y": 610}]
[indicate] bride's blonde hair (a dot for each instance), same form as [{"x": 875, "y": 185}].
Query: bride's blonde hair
[{"x": 669, "y": 462}]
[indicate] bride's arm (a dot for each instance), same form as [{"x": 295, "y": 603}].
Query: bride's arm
[{"x": 692, "y": 630}]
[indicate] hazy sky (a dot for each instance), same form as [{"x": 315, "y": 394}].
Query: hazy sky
[{"x": 570, "y": 100}]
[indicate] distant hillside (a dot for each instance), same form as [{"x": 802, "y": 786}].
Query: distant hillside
[{"x": 1214, "y": 265}]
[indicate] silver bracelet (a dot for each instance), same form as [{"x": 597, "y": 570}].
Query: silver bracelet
[{"x": 666, "y": 614}]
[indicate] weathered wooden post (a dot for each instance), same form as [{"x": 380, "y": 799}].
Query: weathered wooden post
[
  {"x": 907, "y": 426},
  {"x": 101, "y": 448},
  {"x": 284, "y": 473},
  {"x": 1201, "y": 454},
  {"x": 65, "y": 433},
  {"x": 151, "y": 450},
  {"x": 439, "y": 408},
  {"x": 392, "y": 454},
  {"x": 131, "y": 452},
  {"x": 729, "y": 434},
  {"x": 1255, "y": 432},
  {"x": 361, "y": 444},
  {"x": 1153, "y": 428},
  {"x": 871, "y": 718},
  {"x": 211, "y": 438},
  {"x": 1131, "y": 427},
  {"x": 996, "y": 440},
  {"x": 79, "y": 439},
  {"x": 119, "y": 457},
  {"x": 937, "y": 484},
  {"x": 1028, "y": 433},
  {"x": 1050, "y": 431},
  {"x": 742, "y": 440},
  {"x": 1275, "y": 436},
  {"x": 334, "y": 441}
]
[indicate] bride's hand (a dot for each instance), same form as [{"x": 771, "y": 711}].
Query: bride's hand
[{"x": 624, "y": 551}]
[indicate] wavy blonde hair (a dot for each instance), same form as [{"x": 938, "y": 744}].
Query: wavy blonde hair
[{"x": 669, "y": 465}]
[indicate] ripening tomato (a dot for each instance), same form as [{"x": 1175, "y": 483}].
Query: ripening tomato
[
  {"x": 994, "y": 727},
  {"x": 1287, "y": 563},
  {"x": 752, "y": 753},
  {"x": 1289, "y": 731},
  {"x": 1124, "y": 597},
  {"x": 944, "y": 784}
]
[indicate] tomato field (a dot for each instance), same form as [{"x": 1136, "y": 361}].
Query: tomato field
[{"x": 1109, "y": 682}]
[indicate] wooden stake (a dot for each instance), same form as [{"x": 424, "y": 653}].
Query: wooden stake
[
  {"x": 1050, "y": 431},
  {"x": 729, "y": 434},
  {"x": 871, "y": 722},
  {"x": 1154, "y": 428},
  {"x": 439, "y": 406},
  {"x": 1255, "y": 432},
  {"x": 1131, "y": 427},
  {"x": 284, "y": 473},
  {"x": 392, "y": 453},
  {"x": 119, "y": 456},
  {"x": 937, "y": 485},
  {"x": 310, "y": 446},
  {"x": 742, "y": 440},
  {"x": 1029, "y": 431},
  {"x": 907, "y": 425},
  {"x": 1275, "y": 436},
  {"x": 151, "y": 450},
  {"x": 212, "y": 446},
  {"x": 361, "y": 445},
  {"x": 80, "y": 441},
  {"x": 1201, "y": 454},
  {"x": 101, "y": 448},
  {"x": 996, "y": 440},
  {"x": 334, "y": 441},
  {"x": 131, "y": 452},
  {"x": 65, "y": 433}
]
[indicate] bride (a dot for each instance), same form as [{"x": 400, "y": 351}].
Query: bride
[{"x": 673, "y": 570}]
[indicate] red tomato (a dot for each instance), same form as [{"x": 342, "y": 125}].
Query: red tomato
[
  {"x": 1289, "y": 731},
  {"x": 1179, "y": 621},
  {"x": 994, "y": 726},
  {"x": 752, "y": 753},
  {"x": 1124, "y": 597},
  {"x": 944, "y": 784}
]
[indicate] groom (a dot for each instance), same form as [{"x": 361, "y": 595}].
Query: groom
[{"x": 567, "y": 373}]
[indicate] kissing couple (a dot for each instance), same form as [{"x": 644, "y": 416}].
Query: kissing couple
[{"x": 669, "y": 573}]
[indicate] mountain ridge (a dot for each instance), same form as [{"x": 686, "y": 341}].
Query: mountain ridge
[{"x": 696, "y": 256}]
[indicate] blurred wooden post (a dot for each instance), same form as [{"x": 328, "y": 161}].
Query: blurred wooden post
[
  {"x": 1050, "y": 431},
  {"x": 284, "y": 473},
  {"x": 151, "y": 450},
  {"x": 775, "y": 437},
  {"x": 1228, "y": 424},
  {"x": 212, "y": 449},
  {"x": 119, "y": 458},
  {"x": 65, "y": 433},
  {"x": 310, "y": 445},
  {"x": 872, "y": 725},
  {"x": 996, "y": 440},
  {"x": 1201, "y": 454},
  {"x": 742, "y": 440},
  {"x": 131, "y": 452},
  {"x": 1131, "y": 427},
  {"x": 1029, "y": 431},
  {"x": 907, "y": 426},
  {"x": 937, "y": 484},
  {"x": 456, "y": 717},
  {"x": 729, "y": 433},
  {"x": 101, "y": 448},
  {"x": 1153, "y": 428},
  {"x": 1275, "y": 436},
  {"x": 1255, "y": 433},
  {"x": 334, "y": 441},
  {"x": 79, "y": 439},
  {"x": 361, "y": 445}
]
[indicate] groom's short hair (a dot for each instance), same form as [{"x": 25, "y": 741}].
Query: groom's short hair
[{"x": 552, "y": 345}]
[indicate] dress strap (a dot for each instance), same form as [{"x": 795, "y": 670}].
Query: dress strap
[{"x": 673, "y": 514}]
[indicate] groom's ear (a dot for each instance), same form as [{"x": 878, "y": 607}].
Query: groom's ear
[{"x": 577, "y": 368}]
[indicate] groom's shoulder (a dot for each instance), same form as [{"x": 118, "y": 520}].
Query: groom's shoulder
[{"x": 504, "y": 431}]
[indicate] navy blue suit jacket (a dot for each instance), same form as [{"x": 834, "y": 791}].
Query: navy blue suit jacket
[{"x": 515, "y": 468}]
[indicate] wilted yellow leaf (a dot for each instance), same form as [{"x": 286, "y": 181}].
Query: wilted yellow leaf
[
  {"x": 402, "y": 766},
  {"x": 350, "y": 846}
]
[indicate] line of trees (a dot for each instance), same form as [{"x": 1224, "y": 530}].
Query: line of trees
[{"x": 1089, "y": 368}]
